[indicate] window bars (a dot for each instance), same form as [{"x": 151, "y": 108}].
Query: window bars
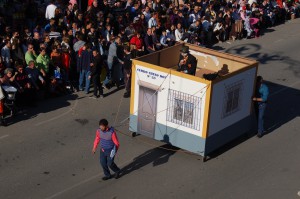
[
  {"x": 232, "y": 98},
  {"x": 184, "y": 109}
]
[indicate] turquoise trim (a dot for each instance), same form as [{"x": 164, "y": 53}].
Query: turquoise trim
[
  {"x": 197, "y": 144},
  {"x": 230, "y": 133},
  {"x": 133, "y": 123},
  {"x": 181, "y": 139},
  {"x": 173, "y": 136}
]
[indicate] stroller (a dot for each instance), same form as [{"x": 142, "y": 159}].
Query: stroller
[{"x": 10, "y": 108}]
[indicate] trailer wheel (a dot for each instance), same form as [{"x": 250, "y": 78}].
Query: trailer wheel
[{"x": 133, "y": 134}]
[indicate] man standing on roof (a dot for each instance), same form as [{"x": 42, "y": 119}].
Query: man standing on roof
[
  {"x": 109, "y": 146},
  {"x": 187, "y": 62}
]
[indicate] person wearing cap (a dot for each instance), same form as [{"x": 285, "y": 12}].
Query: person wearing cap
[
  {"x": 187, "y": 62},
  {"x": 260, "y": 99}
]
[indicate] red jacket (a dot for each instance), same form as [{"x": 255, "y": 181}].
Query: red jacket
[
  {"x": 90, "y": 2},
  {"x": 138, "y": 42},
  {"x": 113, "y": 137}
]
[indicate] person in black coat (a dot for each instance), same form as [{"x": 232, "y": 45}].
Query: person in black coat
[
  {"x": 96, "y": 67},
  {"x": 187, "y": 62},
  {"x": 127, "y": 70}
]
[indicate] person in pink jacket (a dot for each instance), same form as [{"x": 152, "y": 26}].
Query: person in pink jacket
[{"x": 109, "y": 146}]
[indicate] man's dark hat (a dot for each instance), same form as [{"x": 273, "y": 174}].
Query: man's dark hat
[{"x": 185, "y": 49}]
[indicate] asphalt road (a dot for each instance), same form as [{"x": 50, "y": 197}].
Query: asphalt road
[{"x": 46, "y": 152}]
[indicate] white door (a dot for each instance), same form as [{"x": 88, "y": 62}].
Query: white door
[{"x": 147, "y": 111}]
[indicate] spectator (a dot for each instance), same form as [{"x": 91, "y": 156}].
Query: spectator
[
  {"x": 36, "y": 42},
  {"x": 5, "y": 54},
  {"x": 112, "y": 53},
  {"x": 137, "y": 45},
  {"x": 8, "y": 77},
  {"x": 147, "y": 13},
  {"x": 118, "y": 62},
  {"x": 178, "y": 32},
  {"x": 50, "y": 10},
  {"x": 79, "y": 44},
  {"x": 55, "y": 56},
  {"x": 43, "y": 63},
  {"x": 127, "y": 70},
  {"x": 30, "y": 55},
  {"x": 56, "y": 87},
  {"x": 26, "y": 94},
  {"x": 149, "y": 43},
  {"x": 164, "y": 40},
  {"x": 66, "y": 62},
  {"x": 171, "y": 33},
  {"x": 152, "y": 21},
  {"x": 84, "y": 68},
  {"x": 34, "y": 75},
  {"x": 96, "y": 68}
]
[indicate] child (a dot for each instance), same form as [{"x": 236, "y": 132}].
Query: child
[
  {"x": 56, "y": 88},
  {"x": 66, "y": 62}
]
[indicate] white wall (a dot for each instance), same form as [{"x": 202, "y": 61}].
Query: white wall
[
  {"x": 169, "y": 82},
  {"x": 218, "y": 123}
]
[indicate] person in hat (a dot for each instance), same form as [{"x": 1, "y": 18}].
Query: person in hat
[{"x": 187, "y": 62}]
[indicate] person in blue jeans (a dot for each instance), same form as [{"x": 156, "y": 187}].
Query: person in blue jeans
[
  {"x": 109, "y": 146},
  {"x": 84, "y": 67},
  {"x": 261, "y": 99}
]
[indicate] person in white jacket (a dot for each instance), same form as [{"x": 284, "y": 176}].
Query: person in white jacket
[
  {"x": 178, "y": 32},
  {"x": 50, "y": 10}
]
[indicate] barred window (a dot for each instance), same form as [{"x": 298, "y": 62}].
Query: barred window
[
  {"x": 232, "y": 100},
  {"x": 184, "y": 109}
]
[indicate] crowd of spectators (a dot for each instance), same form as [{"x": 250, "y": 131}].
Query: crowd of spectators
[{"x": 55, "y": 46}]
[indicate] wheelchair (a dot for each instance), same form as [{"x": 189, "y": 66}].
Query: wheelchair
[{"x": 10, "y": 108}]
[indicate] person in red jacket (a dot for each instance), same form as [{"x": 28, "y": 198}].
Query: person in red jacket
[
  {"x": 137, "y": 45},
  {"x": 109, "y": 144}
]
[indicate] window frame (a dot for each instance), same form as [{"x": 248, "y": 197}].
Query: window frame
[
  {"x": 230, "y": 98},
  {"x": 187, "y": 103}
]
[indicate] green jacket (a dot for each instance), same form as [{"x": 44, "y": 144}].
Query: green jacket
[
  {"x": 29, "y": 57},
  {"x": 43, "y": 62}
]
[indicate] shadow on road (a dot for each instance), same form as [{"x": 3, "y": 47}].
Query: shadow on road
[
  {"x": 252, "y": 51},
  {"x": 44, "y": 106},
  {"x": 282, "y": 107},
  {"x": 157, "y": 156}
]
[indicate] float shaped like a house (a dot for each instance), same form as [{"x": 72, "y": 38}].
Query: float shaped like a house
[{"x": 191, "y": 112}]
